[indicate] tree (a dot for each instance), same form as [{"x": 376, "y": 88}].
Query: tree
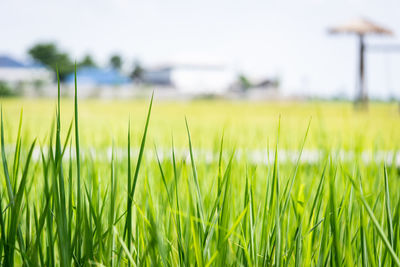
[
  {"x": 49, "y": 55},
  {"x": 116, "y": 62},
  {"x": 6, "y": 90},
  {"x": 244, "y": 82},
  {"x": 137, "y": 71},
  {"x": 87, "y": 61}
]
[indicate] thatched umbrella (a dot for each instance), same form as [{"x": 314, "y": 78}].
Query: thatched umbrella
[{"x": 361, "y": 27}]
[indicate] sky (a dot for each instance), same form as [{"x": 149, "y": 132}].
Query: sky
[{"x": 287, "y": 39}]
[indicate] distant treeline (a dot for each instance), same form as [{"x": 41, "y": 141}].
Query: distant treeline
[{"x": 53, "y": 57}]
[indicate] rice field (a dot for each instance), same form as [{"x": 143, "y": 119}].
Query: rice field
[{"x": 153, "y": 183}]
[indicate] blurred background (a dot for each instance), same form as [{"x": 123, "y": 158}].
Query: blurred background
[{"x": 257, "y": 50}]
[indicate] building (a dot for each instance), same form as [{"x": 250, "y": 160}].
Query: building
[
  {"x": 191, "y": 79},
  {"x": 14, "y": 72},
  {"x": 97, "y": 77},
  {"x": 94, "y": 82}
]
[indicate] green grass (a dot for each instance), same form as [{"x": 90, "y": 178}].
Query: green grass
[
  {"x": 245, "y": 124},
  {"x": 63, "y": 202}
]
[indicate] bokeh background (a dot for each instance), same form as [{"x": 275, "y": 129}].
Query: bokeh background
[
  {"x": 227, "y": 66},
  {"x": 284, "y": 41}
]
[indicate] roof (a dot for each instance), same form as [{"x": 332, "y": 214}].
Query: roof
[
  {"x": 361, "y": 26},
  {"x": 8, "y": 62},
  {"x": 93, "y": 75}
]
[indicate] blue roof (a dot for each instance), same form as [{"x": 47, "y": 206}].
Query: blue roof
[
  {"x": 93, "y": 75},
  {"x": 8, "y": 62}
]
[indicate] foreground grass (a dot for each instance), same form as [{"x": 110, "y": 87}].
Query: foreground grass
[{"x": 66, "y": 206}]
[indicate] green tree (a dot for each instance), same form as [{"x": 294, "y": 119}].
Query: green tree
[
  {"x": 137, "y": 71},
  {"x": 244, "y": 82},
  {"x": 6, "y": 90},
  {"x": 116, "y": 62},
  {"x": 87, "y": 61},
  {"x": 49, "y": 55}
]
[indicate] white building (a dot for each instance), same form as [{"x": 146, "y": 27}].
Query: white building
[
  {"x": 191, "y": 79},
  {"x": 15, "y": 72}
]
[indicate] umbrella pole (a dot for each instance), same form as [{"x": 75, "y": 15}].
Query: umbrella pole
[{"x": 362, "y": 93}]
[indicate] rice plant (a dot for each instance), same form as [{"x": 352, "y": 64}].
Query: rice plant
[{"x": 64, "y": 205}]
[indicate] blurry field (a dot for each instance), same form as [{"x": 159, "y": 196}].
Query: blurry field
[
  {"x": 245, "y": 124},
  {"x": 63, "y": 204}
]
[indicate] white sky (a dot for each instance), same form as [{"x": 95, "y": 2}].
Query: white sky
[{"x": 257, "y": 37}]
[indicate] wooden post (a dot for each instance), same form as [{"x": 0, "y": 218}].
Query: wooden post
[{"x": 362, "y": 97}]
